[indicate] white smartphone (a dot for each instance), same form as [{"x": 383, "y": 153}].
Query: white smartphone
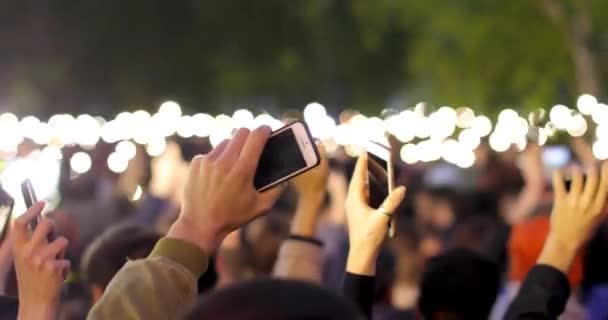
[
  {"x": 380, "y": 175},
  {"x": 289, "y": 152}
]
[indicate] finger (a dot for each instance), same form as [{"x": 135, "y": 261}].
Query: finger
[
  {"x": 392, "y": 202},
  {"x": 21, "y": 226},
  {"x": 559, "y": 189},
  {"x": 54, "y": 249},
  {"x": 61, "y": 267},
  {"x": 44, "y": 228},
  {"x": 358, "y": 186},
  {"x": 235, "y": 145},
  {"x": 576, "y": 187},
  {"x": 252, "y": 150},
  {"x": 218, "y": 150},
  {"x": 590, "y": 187},
  {"x": 602, "y": 191}
]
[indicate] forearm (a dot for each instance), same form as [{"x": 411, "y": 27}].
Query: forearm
[
  {"x": 301, "y": 259},
  {"x": 306, "y": 217},
  {"x": 362, "y": 260}
]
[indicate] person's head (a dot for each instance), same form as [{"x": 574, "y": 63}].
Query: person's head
[
  {"x": 459, "y": 284},
  {"x": 111, "y": 250},
  {"x": 273, "y": 299}
]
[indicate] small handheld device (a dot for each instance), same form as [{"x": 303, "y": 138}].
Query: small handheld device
[
  {"x": 556, "y": 156},
  {"x": 29, "y": 197},
  {"x": 6, "y": 211},
  {"x": 380, "y": 175},
  {"x": 289, "y": 152}
]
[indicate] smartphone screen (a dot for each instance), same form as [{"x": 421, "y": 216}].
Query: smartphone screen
[
  {"x": 283, "y": 158},
  {"x": 378, "y": 180},
  {"x": 556, "y": 157}
]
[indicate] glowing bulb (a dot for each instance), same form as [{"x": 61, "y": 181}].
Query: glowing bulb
[
  {"x": 89, "y": 129},
  {"x": 243, "y": 119},
  {"x": 126, "y": 149},
  {"x": 508, "y": 115},
  {"x": 600, "y": 149},
  {"x": 601, "y": 132},
  {"x": 408, "y": 153},
  {"x": 117, "y": 162},
  {"x": 469, "y": 138},
  {"x": 52, "y": 152},
  {"x": 80, "y": 162},
  {"x": 560, "y": 116},
  {"x": 314, "y": 111},
  {"x": 186, "y": 127},
  {"x": 465, "y": 117},
  {"x": 466, "y": 159},
  {"x": 586, "y": 104},
  {"x": 41, "y": 133},
  {"x": 170, "y": 109},
  {"x": 499, "y": 142},
  {"x": 156, "y": 147},
  {"x": 481, "y": 125},
  {"x": 205, "y": 124},
  {"x": 600, "y": 115},
  {"x": 28, "y": 125},
  {"x": 577, "y": 126}
]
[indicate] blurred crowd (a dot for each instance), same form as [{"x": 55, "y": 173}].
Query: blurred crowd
[{"x": 498, "y": 240}]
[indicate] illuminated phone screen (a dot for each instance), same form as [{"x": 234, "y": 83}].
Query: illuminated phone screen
[{"x": 280, "y": 158}]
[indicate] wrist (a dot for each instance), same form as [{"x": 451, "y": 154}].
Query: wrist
[
  {"x": 305, "y": 220},
  {"x": 208, "y": 239},
  {"x": 362, "y": 260},
  {"x": 45, "y": 312},
  {"x": 558, "y": 254}
]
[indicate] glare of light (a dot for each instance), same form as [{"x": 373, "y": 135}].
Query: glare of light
[
  {"x": 499, "y": 142},
  {"x": 243, "y": 119},
  {"x": 170, "y": 109},
  {"x": 353, "y": 150},
  {"x": 600, "y": 115},
  {"x": 342, "y": 134},
  {"x": 186, "y": 127},
  {"x": 450, "y": 150},
  {"x": 448, "y": 115},
  {"x": 586, "y": 104},
  {"x": 508, "y": 115},
  {"x": 156, "y": 147},
  {"x": 600, "y": 149},
  {"x": 218, "y": 136},
  {"x": 41, "y": 133},
  {"x": 542, "y": 137},
  {"x": 423, "y": 127},
  {"x": 443, "y": 122},
  {"x": 430, "y": 150},
  {"x": 55, "y": 120},
  {"x": 65, "y": 129},
  {"x": 52, "y": 152},
  {"x": 41, "y": 169},
  {"x": 126, "y": 149},
  {"x": 28, "y": 125},
  {"x": 8, "y": 119},
  {"x": 520, "y": 142},
  {"x": 137, "y": 194},
  {"x": 601, "y": 132},
  {"x": 204, "y": 124},
  {"x": 521, "y": 126},
  {"x": 375, "y": 128},
  {"x": 141, "y": 115},
  {"x": 408, "y": 153},
  {"x": 117, "y": 162},
  {"x": 420, "y": 108},
  {"x": 465, "y": 117},
  {"x": 577, "y": 126},
  {"x": 466, "y": 159},
  {"x": 469, "y": 139},
  {"x": 314, "y": 111},
  {"x": 224, "y": 122},
  {"x": 90, "y": 130},
  {"x": 165, "y": 125},
  {"x": 265, "y": 119},
  {"x": 560, "y": 116},
  {"x": 481, "y": 125},
  {"x": 109, "y": 132},
  {"x": 80, "y": 162},
  {"x": 323, "y": 128}
]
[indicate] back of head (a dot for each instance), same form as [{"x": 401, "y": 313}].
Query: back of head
[
  {"x": 459, "y": 284},
  {"x": 111, "y": 250},
  {"x": 273, "y": 299}
]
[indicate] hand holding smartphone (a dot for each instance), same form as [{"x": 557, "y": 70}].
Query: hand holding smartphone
[
  {"x": 289, "y": 152},
  {"x": 381, "y": 181},
  {"x": 29, "y": 197}
]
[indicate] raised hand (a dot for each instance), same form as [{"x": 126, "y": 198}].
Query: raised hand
[
  {"x": 40, "y": 266},
  {"x": 219, "y": 195},
  {"x": 576, "y": 213},
  {"x": 367, "y": 227}
]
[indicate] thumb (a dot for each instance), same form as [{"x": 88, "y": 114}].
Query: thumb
[{"x": 392, "y": 202}]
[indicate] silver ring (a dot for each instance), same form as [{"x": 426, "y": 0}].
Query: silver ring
[{"x": 386, "y": 213}]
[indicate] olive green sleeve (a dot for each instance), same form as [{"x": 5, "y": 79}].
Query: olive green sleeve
[{"x": 162, "y": 286}]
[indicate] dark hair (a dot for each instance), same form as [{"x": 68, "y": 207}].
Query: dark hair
[
  {"x": 273, "y": 299},
  {"x": 595, "y": 261},
  {"x": 109, "y": 252},
  {"x": 461, "y": 283},
  {"x": 260, "y": 242}
]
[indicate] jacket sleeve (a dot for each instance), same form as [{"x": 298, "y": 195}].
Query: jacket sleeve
[
  {"x": 359, "y": 290},
  {"x": 162, "y": 286},
  {"x": 543, "y": 295},
  {"x": 300, "y": 258}
]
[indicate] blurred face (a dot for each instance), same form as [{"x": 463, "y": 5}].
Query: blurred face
[{"x": 423, "y": 207}]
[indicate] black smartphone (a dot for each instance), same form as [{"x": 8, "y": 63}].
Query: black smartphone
[
  {"x": 6, "y": 212},
  {"x": 289, "y": 152},
  {"x": 29, "y": 197}
]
